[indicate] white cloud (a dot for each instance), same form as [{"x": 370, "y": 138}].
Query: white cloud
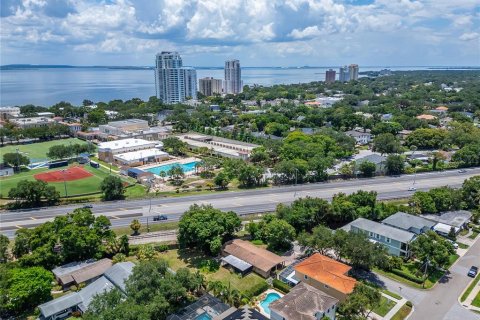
[
  {"x": 469, "y": 36},
  {"x": 308, "y": 32}
]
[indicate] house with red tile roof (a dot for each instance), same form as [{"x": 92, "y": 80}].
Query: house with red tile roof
[{"x": 327, "y": 275}]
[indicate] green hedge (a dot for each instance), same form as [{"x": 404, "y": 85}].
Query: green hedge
[
  {"x": 285, "y": 288},
  {"x": 256, "y": 289},
  {"x": 407, "y": 276}
]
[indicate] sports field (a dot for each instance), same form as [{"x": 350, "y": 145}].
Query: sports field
[
  {"x": 88, "y": 184},
  {"x": 38, "y": 150}
]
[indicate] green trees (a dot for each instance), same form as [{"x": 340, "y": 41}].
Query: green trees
[
  {"x": 250, "y": 175},
  {"x": 23, "y": 289},
  {"x": 4, "y": 242},
  {"x": 135, "y": 225},
  {"x": 471, "y": 192},
  {"x": 15, "y": 159},
  {"x": 77, "y": 236},
  {"x": 432, "y": 249},
  {"x": 304, "y": 214},
  {"x": 360, "y": 303},
  {"x": 468, "y": 156},
  {"x": 176, "y": 173},
  {"x": 367, "y": 168},
  {"x": 387, "y": 127},
  {"x": 66, "y": 151},
  {"x": 395, "y": 164},
  {"x": 221, "y": 180},
  {"x": 174, "y": 146},
  {"x": 277, "y": 233},
  {"x": 427, "y": 138},
  {"x": 112, "y": 188},
  {"x": 204, "y": 227},
  {"x": 436, "y": 200},
  {"x": 30, "y": 193},
  {"x": 386, "y": 143},
  {"x": 152, "y": 292}
]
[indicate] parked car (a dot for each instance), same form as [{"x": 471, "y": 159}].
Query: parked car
[
  {"x": 87, "y": 206},
  {"x": 454, "y": 244},
  {"x": 160, "y": 217},
  {"x": 473, "y": 271},
  {"x": 412, "y": 189},
  {"x": 462, "y": 171}
]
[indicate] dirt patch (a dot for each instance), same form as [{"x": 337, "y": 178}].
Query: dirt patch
[{"x": 70, "y": 174}]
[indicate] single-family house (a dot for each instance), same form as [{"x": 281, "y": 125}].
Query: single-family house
[
  {"x": 361, "y": 137},
  {"x": 409, "y": 222},
  {"x": 64, "y": 306},
  {"x": 75, "y": 273},
  {"x": 244, "y": 256},
  {"x": 243, "y": 313},
  {"x": 397, "y": 241},
  {"x": 304, "y": 302},
  {"x": 444, "y": 221},
  {"x": 327, "y": 275},
  {"x": 206, "y": 307},
  {"x": 375, "y": 158}
]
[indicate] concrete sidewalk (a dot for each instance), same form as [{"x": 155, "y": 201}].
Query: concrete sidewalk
[{"x": 471, "y": 296}]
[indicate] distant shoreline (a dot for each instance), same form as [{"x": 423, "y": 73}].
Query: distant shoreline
[{"x": 34, "y": 67}]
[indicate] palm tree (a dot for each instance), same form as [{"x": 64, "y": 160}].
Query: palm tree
[
  {"x": 162, "y": 174},
  {"x": 216, "y": 287}
]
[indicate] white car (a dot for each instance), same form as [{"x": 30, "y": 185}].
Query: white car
[{"x": 412, "y": 189}]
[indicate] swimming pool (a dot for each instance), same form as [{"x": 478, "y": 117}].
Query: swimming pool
[
  {"x": 272, "y": 296},
  {"x": 187, "y": 167},
  {"x": 203, "y": 316}
]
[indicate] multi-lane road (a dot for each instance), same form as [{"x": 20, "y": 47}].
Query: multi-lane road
[{"x": 244, "y": 202}]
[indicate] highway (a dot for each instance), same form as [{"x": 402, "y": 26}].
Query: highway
[{"x": 121, "y": 213}]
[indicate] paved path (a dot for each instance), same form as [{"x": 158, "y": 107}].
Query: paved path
[
  {"x": 243, "y": 202},
  {"x": 153, "y": 237},
  {"x": 395, "y": 309},
  {"x": 471, "y": 296}
]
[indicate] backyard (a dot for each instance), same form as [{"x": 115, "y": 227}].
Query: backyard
[{"x": 211, "y": 269}]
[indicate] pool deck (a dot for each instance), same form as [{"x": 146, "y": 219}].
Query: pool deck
[
  {"x": 262, "y": 297},
  {"x": 173, "y": 160}
]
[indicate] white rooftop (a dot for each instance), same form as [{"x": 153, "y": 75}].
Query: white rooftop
[
  {"x": 141, "y": 154},
  {"x": 124, "y": 143}
]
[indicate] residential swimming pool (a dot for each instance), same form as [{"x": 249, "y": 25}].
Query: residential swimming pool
[
  {"x": 187, "y": 167},
  {"x": 203, "y": 316},
  {"x": 272, "y": 296}
]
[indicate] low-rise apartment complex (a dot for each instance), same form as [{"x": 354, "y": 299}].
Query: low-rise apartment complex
[
  {"x": 223, "y": 147},
  {"x": 115, "y": 151}
]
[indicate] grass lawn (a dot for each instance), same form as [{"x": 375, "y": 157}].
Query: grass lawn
[
  {"x": 38, "y": 150},
  {"x": 193, "y": 259},
  {"x": 391, "y": 294},
  {"x": 462, "y": 245},
  {"x": 385, "y": 306},
  {"x": 153, "y": 227},
  {"x": 476, "y": 301},
  {"x": 76, "y": 187},
  {"x": 473, "y": 235},
  {"x": 463, "y": 232},
  {"x": 135, "y": 191},
  {"x": 402, "y": 313},
  {"x": 469, "y": 289}
]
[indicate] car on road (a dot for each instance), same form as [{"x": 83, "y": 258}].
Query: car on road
[
  {"x": 87, "y": 206},
  {"x": 473, "y": 271},
  {"x": 412, "y": 189},
  {"x": 462, "y": 171},
  {"x": 160, "y": 217}
]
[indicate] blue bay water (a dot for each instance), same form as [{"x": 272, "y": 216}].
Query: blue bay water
[{"x": 47, "y": 86}]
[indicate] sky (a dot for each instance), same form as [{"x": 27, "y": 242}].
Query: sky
[{"x": 258, "y": 32}]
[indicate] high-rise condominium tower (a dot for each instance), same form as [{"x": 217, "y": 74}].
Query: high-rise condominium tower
[
  {"x": 353, "y": 71},
  {"x": 233, "y": 77},
  {"x": 343, "y": 75},
  {"x": 174, "y": 82},
  {"x": 330, "y": 76},
  {"x": 209, "y": 86}
]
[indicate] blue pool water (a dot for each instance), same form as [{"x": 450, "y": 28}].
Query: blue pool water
[
  {"x": 187, "y": 167},
  {"x": 203, "y": 316},
  {"x": 272, "y": 296}
]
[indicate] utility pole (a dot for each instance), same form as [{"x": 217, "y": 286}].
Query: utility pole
[
  {"x": 414, "y": 148},
  {"x": 18, "y": 162},
  {"x": 425, "y": 273},
  {"x": 64, "y": 183}
]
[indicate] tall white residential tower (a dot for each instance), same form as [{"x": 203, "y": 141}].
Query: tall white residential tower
[
  {"x": 174, "y": 82},
  {"x": 233, "y": 77}
]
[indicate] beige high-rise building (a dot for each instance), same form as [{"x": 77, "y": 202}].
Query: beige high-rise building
[
  {"x": 353, "y": 71},
  {"x": 233, "y": 77},
  {"x": 209, "y": 86}
]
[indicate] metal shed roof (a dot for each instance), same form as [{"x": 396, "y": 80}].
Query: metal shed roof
[{"x": 237, "y": 263}]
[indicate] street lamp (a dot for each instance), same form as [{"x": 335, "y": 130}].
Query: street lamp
[{"x": 18, "y": 161}]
